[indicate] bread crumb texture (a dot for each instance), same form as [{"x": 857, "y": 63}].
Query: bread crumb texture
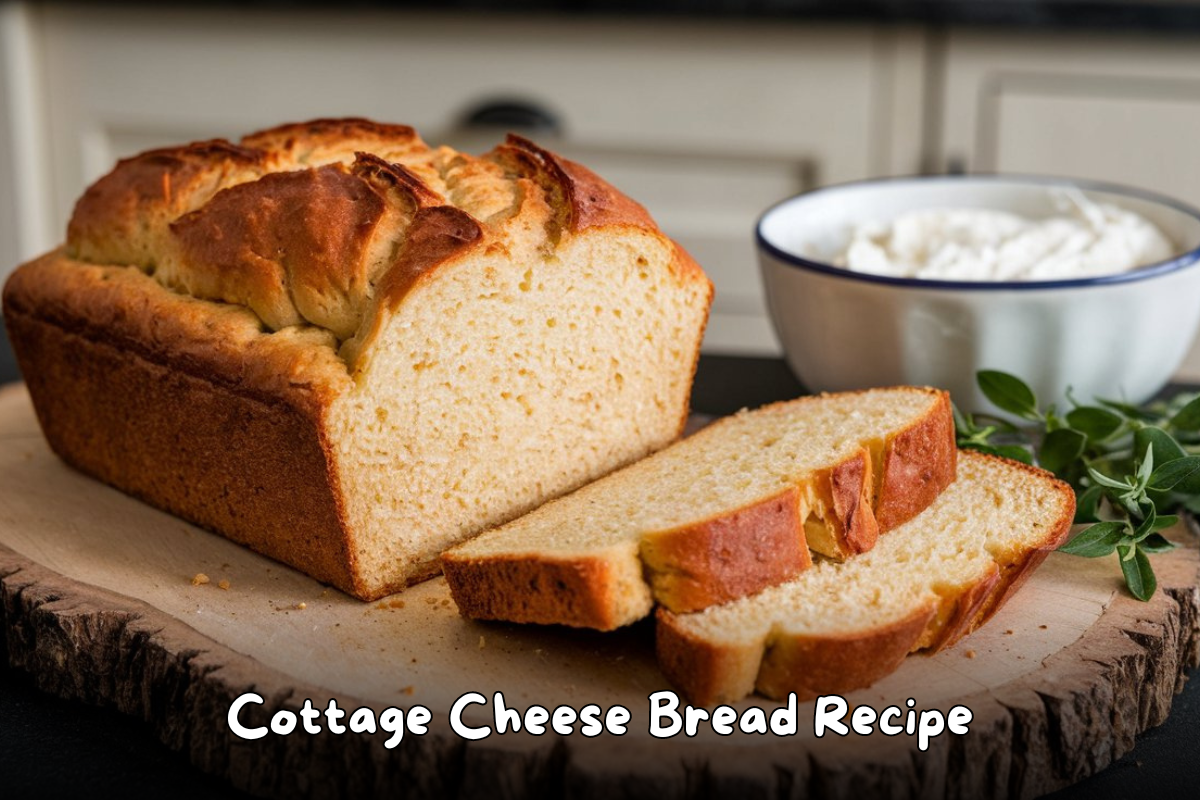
[
  {"x": 460, "y": 337},
  {"x": 841, "y": 626},
  {"x": 715, "y": 516}
]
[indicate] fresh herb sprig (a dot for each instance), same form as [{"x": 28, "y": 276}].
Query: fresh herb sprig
[{"x": 1132, "y": 467}]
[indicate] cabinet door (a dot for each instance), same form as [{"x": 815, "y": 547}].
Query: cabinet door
[
  {"x": 1117, "y": 108},
  {"x": 706, "y": 123}
]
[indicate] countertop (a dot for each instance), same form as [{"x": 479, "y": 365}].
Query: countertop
[{"x": 51, "y": 747}]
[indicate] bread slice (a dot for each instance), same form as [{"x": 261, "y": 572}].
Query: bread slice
[
  {"x": 716, "y": 516},
  {"x": 350, "y": 350},
  {"x": 842, "y": 626}
]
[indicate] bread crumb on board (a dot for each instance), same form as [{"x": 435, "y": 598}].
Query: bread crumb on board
[
  {"x": 199, "y": 579},
  {"x": 407, "y": 690},
  {"x": 387, "y": 605},
  {"x": 223, "y": 584},
  {"x": 969, "y": 654},
  {"x": 481, "y": 642}
]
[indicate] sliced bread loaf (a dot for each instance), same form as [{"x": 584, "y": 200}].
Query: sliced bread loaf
[
  {"x": 350, "y": 350},
  {"x": 843, "y": 626},
  {"x": 716, "y": 516}
]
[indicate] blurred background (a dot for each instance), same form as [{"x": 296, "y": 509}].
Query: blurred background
[{"x": 706, "y": 112}]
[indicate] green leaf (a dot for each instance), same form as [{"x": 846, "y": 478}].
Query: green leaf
[
  {"x": 1146, "y": 526},
  {"x": 1188, "y": 417},
  {"x": 1094, "y": 422},
  {"x": 963, "y": 425},
  {"x": 1130, "y": 411},
  {"x": 1189, "y": 486},
  {"x": 1169, "y": 475},
  {"x": 1164, "y": 521},
  {"x": 1139, "y": 575},
  {"x": 1166, "y": 449},
  {"x": 1014, "y": 451},
  {"x": 1144, "y": 471},
  {"x": 1008, "y": 392},
  {"x": 1156, "y": 543},
  {"x": 1103, "y": 480},
  {"x": 1087, "y": 505},
  {"x": 1099, "y": 540},
  {"x": 1061, "y": 448}
]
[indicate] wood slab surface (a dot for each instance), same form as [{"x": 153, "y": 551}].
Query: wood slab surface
[{"x": 99, "y": 604}]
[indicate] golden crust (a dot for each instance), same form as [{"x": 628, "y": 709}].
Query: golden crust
[
  {"x": 192, "y": 281},
  {"x": 709, "y": 672},
  {"x": 319, "y": 141},
  {"x": 843, "y": 496},
  {"x": 918, "y": 465},
  {"x": 589, "y": 201},
  {"x": 216, "y": 342},
  {"x": 228, "y": 460},
  {"x": 122, "y": 217},
  {"x": 740, "y": 552},
  {"x": 718, "y": 560},
  {"x": 301, "y": 221},
  {"x": 583, "y": 593},
  {"x": 815, "y": 665}
]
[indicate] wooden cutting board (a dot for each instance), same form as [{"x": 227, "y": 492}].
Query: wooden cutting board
[{"x": 99, "y": 604}]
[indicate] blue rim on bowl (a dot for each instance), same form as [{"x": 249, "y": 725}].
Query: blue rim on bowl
[{"x": 1182, "y": 261}]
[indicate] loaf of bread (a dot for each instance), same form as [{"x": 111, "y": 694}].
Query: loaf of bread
[
  {"x": 842, "y": 626},
  {"x": 350, "y": 350},
  {"x": 721, "y": 514}
]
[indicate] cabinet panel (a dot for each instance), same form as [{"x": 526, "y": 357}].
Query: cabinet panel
[
  {"x": 1117, "y": 108},
  {"x": 1132, "y": 132}
]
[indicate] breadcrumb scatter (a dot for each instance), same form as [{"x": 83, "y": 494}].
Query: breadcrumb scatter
[
  {"x": 301, "y": 606},
  {"x": 224, "y": 584},
  {"x": 481, "y": 643},
  {"x": 1042, "y": 627},
  {"x": 407, "y": 690},
  {"x": 970, "y": 654},
  {"x": 199, "y": 579}
]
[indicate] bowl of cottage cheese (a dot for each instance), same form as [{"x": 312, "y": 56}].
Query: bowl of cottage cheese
[{"x": 1075, "y": 286}]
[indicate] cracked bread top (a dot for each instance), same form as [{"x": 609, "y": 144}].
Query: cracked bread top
[{"x": 329, "y": 222}]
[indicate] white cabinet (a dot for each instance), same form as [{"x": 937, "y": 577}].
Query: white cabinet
[
  {"x": 705, "y": 123},
  {"x": 1119, "y": 108}
]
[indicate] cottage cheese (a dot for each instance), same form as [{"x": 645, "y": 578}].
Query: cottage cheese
[{"x": 1087, "y": 239}]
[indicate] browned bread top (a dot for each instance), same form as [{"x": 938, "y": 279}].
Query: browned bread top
[{"x": 324, "y": 223}]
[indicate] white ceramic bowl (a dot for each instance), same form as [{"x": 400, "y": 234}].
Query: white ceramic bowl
[{"x": 1115, "y": 336}]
